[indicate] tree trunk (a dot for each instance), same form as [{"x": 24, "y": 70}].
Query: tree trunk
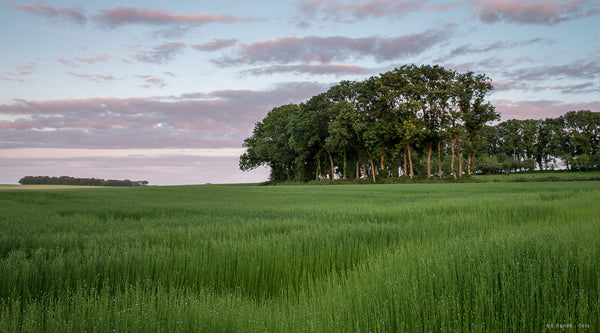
[
  {"x": 440, "y": 159},
  {"x": 318, "y": 168},
  {"x": 373, "y": 170},
  {"x": 460, "y": 168},
  {"x": 469, "y": 164},
  {"x": 357, "y": 169},
  {"x": 411, "y": 164},
  {"x": 331, "y": 163},
  {"x": 405, "y": 169},
  {"x": 469, "y": 156},
  {"x": 345, "y": 163},
  {"x": 429, "y": 162},
  {"x": 452, "y": 161},
  {"x": 394, "y": 172},
  {"x": 382, "y": 157}
]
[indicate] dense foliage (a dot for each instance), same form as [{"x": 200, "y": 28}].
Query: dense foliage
[
  {"x": 66, "y": 180},
  {"x": 571, "y": 140},
  {"x": 396, "y": 123},
  {"x": 490, "y": 257}
]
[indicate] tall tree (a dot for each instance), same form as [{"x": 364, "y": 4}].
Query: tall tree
[
  {"x": 269, "y": 144},
  {"x": 470, "y": 91}
]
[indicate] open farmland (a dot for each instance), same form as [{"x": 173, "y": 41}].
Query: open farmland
[{"x": 420, "y": 257}]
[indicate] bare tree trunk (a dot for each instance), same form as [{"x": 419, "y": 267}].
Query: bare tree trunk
[
  {"x": 469, "y": 165},
  {"x": 318, "y": 167},
  {"x": 331, "y": 163},
  {"x": 394, "y": 172},
  {"x": 357, "y": 169},
  {"x": 345, "y": 163},
  {"x": 440, "y": 158},
  {"x": 460, "y": 168},
  {"x": 405, "y": 163},
  {"x": 411, "y": 164},
  {"x": 429, "y": 162},
  {"x": 452, "y": 162},
  {"x": 373, "y": 170},
  {"x": 469, "y": 156},
  {"x": 364, "y": 170},
  {"x": 382, "y": 157}
]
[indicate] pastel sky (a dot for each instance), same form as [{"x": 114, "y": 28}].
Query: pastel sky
[{"x": 166, "y": 91}]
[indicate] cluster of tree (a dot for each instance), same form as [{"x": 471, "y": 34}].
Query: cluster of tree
[
  {"x": 571, "y": 141},
  {"x": 379, "y": 126},
  {"x": 390, "y": 125},
  {"x": 66, "y": 180}
]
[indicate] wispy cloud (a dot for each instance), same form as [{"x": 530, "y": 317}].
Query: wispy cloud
[
  {"x": 576, "y": 70},
  {"x": 444, "y": 7},
  {"x": 534, "y": 12},
  {"x": 160, "y": 54},
  {"x": 492, "y": 47},
  {"x": 568, "y": 89},
  {"x": 75, "y": 15},
  {"x": 20, "y": 71},
  {"x": 93, "y": 60},
  {"x": 350, "y": 11},
  {"x": 321, "y": 69},
  {"x": 328, "y": 49},
  {"x": 86, "y": 60},
  {"x": 215, "y": 45},
  {"x": 120, "y": 16},
  {"x": 152, "y": 81},
  {"x": 93, "y": 77}
]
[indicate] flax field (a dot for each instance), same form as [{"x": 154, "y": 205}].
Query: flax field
[{"x": 478, "y": 257}]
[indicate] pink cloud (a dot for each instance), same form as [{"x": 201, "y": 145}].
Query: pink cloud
[
  {"x": 203, "y": 120},
  {"x": 160, "y": 54},
  {"x": 93, "y": 77},
  {"x": 346, "y": 11},
  {"x": 120, "y": 16},
  {"x": 444, "y": 7},
  {"x": 75, "y": 15},
  {"x": 539, "y": 109},
  {"x": 216, "y": 45},
  {"x": 67, "y": 61},
  {"x": 152, "y": 81},
  {"x": 327, "y": 49},
  {"x": 87, "y": 60},
  {"x": 20, "y": 71},
  {"x": 536, "y": 12},
  {"x": 93, "y": 60}
]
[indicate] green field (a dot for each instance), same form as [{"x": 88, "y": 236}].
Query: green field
[{"x": 479, "y": 257}]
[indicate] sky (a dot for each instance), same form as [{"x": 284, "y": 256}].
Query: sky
[{"x": 167, "y": 91}]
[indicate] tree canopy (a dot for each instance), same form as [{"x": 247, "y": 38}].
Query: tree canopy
[{"x": 389, "y": 126}]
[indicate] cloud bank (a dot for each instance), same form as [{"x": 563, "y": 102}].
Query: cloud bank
[
  {"x": 74, "y": 15},
  {"x": 534, "y": 12},
  {"x": 121, "y": 16},
  {"x": 219, "y": 119},
  {"x": 329, "y": 49}
]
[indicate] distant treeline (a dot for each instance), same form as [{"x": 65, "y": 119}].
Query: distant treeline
[{"x": 66, "y": 180}]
